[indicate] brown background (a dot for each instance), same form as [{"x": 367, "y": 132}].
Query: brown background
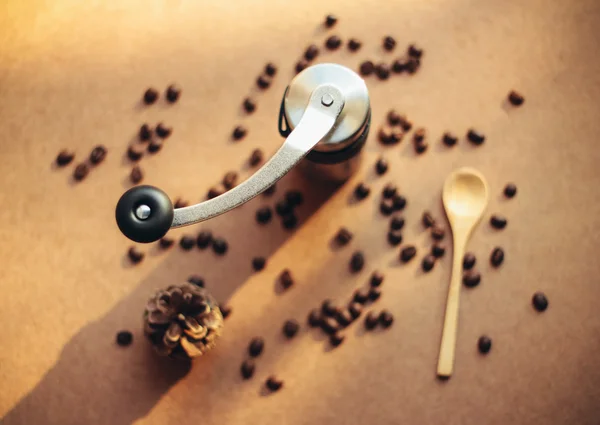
[{"x": 71, "y": 75}]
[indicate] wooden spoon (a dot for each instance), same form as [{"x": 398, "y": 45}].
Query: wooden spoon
[{"x": 465, "y": 197}]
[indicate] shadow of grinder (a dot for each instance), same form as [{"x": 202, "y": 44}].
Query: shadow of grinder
[{"x": 325, "y": 116}]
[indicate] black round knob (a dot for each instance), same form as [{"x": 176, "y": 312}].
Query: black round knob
[{"x": 144, "y": 214}]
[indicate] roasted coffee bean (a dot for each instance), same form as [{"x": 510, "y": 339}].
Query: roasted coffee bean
[
  {"x": 412, "y": 65},
  {"x": 259, "y": 263},
  {"x": 399, "y": 202},
  {"x": 145, "y": 132},
  {"x": 256, "y": 157},
  {"x": 166, "y": 242},
  {"x": 383, "y": 71},
  {"x": 354, "y": 44},
  {"x": 273, "y": 383},
  {"x": 213, "y": 192},
  {"x": 301, "y": 65},
  {"x": 270, "y": 69},
  {"x": 471, "y": 279},
  {"x": 539, "y": 301},
  {"x": 173, "y": 93},
  {"x": 396, "y": 223},
  {"x": 247, "y": 369},
  {"x": 187, "y": 242},
  {"x": 407, "y": 253},
  {"x": 124, "y": 338},
  {"x": 484, "y": 344},
  {"x": 374, "y": 293},
  {"x": 343, "y": 236},
  {"x": 367, "y": 68},
  {"x": 328, "y": 308},
  {"x": 225, "y": 311},
  {"x": 376, "y": 278},
  {"x": 154, "y": 146},
  {"x": 230, "y": 180},
  {"x": 406, "y": 124},
  {"x": 220, "y": 246},
  {"x": 449, "y": 139},
  {"x": 414, "y": 51},
  {"x": 362, "y": 191},
  {"x": 393, "y": 118},
  {"x": 515, "y": 98},
  {"x": 497, "y": 257},
  {"x": 329, "y": 325},
  {"x": 386, "y": 318},
  {"x": 394, "y": 237},
  {"x": 389, "y": 43},
  {"x": 333, "y": 42},
  {"x": 355, "y": 309},
  {"x": 469, "y": 261},
  {"x": 421, "y": 147},
  {"x": 249, "y": 105},
  {"x": 475, "y": 137},
  {"x": 285, "y": 279},
  {"x": 399, "y": 66},
  {"x": 498, "y": 222},
  {"x": 283, "y": 207},
  {"x": 81, "y": 171},
  {"x": 270, "y": 190},
  {"x": 361, "y": 296},
  {"x": 330, "y": 20},
  {"x": 290, "y": 328},
  {"x": 64, "y": 157},
  {"x": 135, "y": 255},
  {"x": 196, "y": 280},
  {"x": 294, "y": 198},
  {"x": 381, "y": 166},
  {"x": 239, "y": 132},
  {"x": 336, "y": 339},
  {"x": 419, "y": 135},
  {"x": 386, "y": 206},
  {"x": 204, "y": 239},
  {"x": 289, "y": 221},
  {"x": 510, "y": 190},
  {"x": 311, "y": 52},
  {"x": 357, "y": 262},
  {"x": 163, "y": 131},
  {"x": 389, "y": 190},
  {"x": 385, "y": 136},
  {"x": 343, "y": 317},
  {"x": 371, "y": 320},
  {"x": 428, "y": 263},
  {"x": 98, "y": 154},
  {"x": 136, "y": 175},
  {"x": 314, "y": 318},
  {"x": 438, "y": 250},
  {"x": 263, "y": 82},
  {"x": 427, "y": 219},
  {"x": 135, "y": 152},
  {"x": 264, "y": 215},
  {"x": 438, "y": 232},
  {"x": 150, "y": 96}
]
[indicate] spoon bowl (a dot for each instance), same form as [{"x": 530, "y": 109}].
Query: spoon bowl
[{"x": 465, "y": 193}]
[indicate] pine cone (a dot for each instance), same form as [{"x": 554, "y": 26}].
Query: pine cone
[{"x": 182, "y": 321}]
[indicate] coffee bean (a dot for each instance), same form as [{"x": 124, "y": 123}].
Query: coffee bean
[
  {"x": 449, "y": 139},
  {"x": 330, "y": 20},
  {"x": 427, "y": 219},
  {"x": 412, "y": 65},
  {"x": 283, "y": 207},
  {"x": 314, "y": 318},
  {"x": 239, "y": 132},
  {"x": 259, "y": 263},
  {"x": 407, "y": 253},
  {"x": 394, "y": 237},
  {"x": 329, "y": 325},
  {"x": 187, "y": 242},
  {"x": 374, "y": 293},
  {"x": 150, "y": 96},
  {"x": 220, "y": 246},
  {"x": 475, "y": 137},
  {"x": 386, "y": 318},
  {"x": 386, "y": 206},
  {"x": 355, "y": 309},
  {"x": 204, "y": 239},
  {"x": 421, "y": 147},
  {"x": 273, "y": 383},
  {"x": 371, "y": 320},
  {"x": 539, "y": 301},
  {"x": 438, "y": 250},
  {"x": 270, "y": 69},
  {"x": 497, "y": 257},
  {"x": 385, "y": 136},
  {"x": 399, "y": 66},
  {"x": 515, "y": 98},
  {"x": 406, "y": 124},
  {"x": 154, "y": 146},
  {"x": 64, "y": 157},
  {"x": 343, "y": 236},
  {"x": 225, "y": 311},
  {"x": 354, "y": 44},
  {"x": 285, "y": 279},
  {"x": 162, "y": 130},
  {"x": 381, "y": 166},
  {"x": 438, "y": 232},
  {"x": 270, "y": 190},
  {"x": 510, "y": 190},
  {"x": 81, "y": 171},
  {"x": 389, "y": 190},
  {"x": 145, "y": 132},
  {"x": 357, "y": 262},
  {"x": 362, "y": 191},
  {"x": 328, "y": 308},
  {"x": 301, "y": 65},
  {"x": 249, "y": 105},
  {"x": 419, "y": 135},
  {"x": 311, "y": 52},
  {"x": 173, "y": 93},
  {"x": 469, "y": 261},
  {"x": 124, "y": 338},
  {"x": 344, "y": 318},
  {"x": 135, "y": 255},
  {"x": 428, "y": 263},
  {"x": 367, "y": 68},
  {"x": 396, "y": 223},
  {"x": 290, "y": 328},
  {"x": 247, "y": 369},
  {"x": 383, "y": 71},
  {"x": 498, "y": 222},
  {"x": 393, "y": 118},
  {"x": 263, "y": 215},
  {"x": 333, "y": 42},
  {"x": 294, "y": 198},
  {"x": 136, "y": 175},
  {"x": 289, "y": 221},
  {"x": 263, "y": 82},
  {"x": 389, "y": 43},
  {"x": 135, "y": 152},
  {"x": 336, "y": 339},
  {"x": 414, "y": 51},
  {"x": 471, "y": 279},
  {"x": 213, "y": 192},
  {"x": 484, "y": 344},
  {"x": 98, "y": 154},
  {"x": 399, "y": 202},
  {"x": 196, "y": 280},
  {"x": 256, "y": 157},
  {"x": 166, "y": 242},
  {"x": 376, "y": 278},
  {"x": 230, "y": 180}
]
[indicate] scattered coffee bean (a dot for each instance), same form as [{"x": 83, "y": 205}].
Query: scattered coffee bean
[
  {"x": 399, "y": 66},
  {"x": 247, "y": 369},
  {"x": 357, "y": 262},
  {"x": 270, "y": 69},
  {"x": 187, "y": 242},
  {"x": 510, "y": 190},
  {"x": 396, "y": 223},
  {"x": 311, "y": 52},
  {"x": 154, "y": 146},
  {"x": 314, "y": 318},
  {"x": 145, "y": 132},
  {"x": 328, "y": 308},
  {"x": 428, "y": 263},
  {"x": 294, "y": 198},
  {"x": 263, "y": 215},
  {"x": 230, "y": 180},
  {"x": 330, "y": 20},
  {"x": 173, "y": 93},
  {"x": 249, "y": 105},
  {"x": 406, "y": 124},
  {"x": 421, "y": 147},
  {"x": 213, "y": 192},
  {"x": 289, "y": 221},
  {"x": 539, "y": 301},
  {"x": 239, "y": 132},
  {"x": 283, "y": 207},
  {"x": 285, "y": 279},
  {"x": 333, "y": 42},
  {"x": 412, "y": 65},
  {"x": 469, "y": 261},
  {"x": 355, "y": 310},
  {"x": 438, "y": 232},
  {"x": 329, "y": 325},
  {"x": 354, "y": 44},
  {"x": 385, "y": 136},
  {"x": 362, "y": 191},
  {"x": 498, "y": 222},
  {"x": 270, "y": 190},
  {"x": 135, "y": 255},
  {"x": 196, "y": 280},
  {"x": 204, "y": 239},
  {"x": 371, "y": 320},
  {"x": 399, "y": 202},
  {"x": 150, "y": 96},
  {"x": 471, "y": 279},
  {"x": 374, "y": 293},
  {"x": 256, "y": 157},
  {"x": 225, "y": 311},
  {"x": 290, "y": 328},
  {"x": 263, "y": 82},
  {"x": 336, "y": 339},
  {"x": 361, "y": 296},
  {"x": 414, "y": 51},
  {"x": 64, "y": 157},
  {"x": 274, "y": 384},
  {"x": 98, "y": 154},
  {"x": 220, "y": 246},
  {"x": 180, "y": 203},
  {"x": 301, "y": 65},
  {"x": 394, "y": 237},
  {"x": 383, "y": 71},
  {"x": 386, "y": 318},
  {"x": 497, "y": 257},
  {"x": 344, "y": 318},
  {"x": 484, "y": 344},
  {"x": 163, "y": 131},
  {"x": 438, "y": 250},
  {"x": 386, "y": 207},
  {"x": 124, "y": 338},
  {"x": 389, "y": 43},
  {"x": 407, "y": 253},
  {"x": 367, "y": 68},
  {"x": 389, "y": 190},
  {"x": 343, "y": 236},
  {"x": 515, "y": 98},
  {"x": 475, "y": 137},
  {"x": 166, "y": 242},
  {"x": 136, "y": 175},
  {"x": 381, "y": 166},
  {"x": 135, "y": 152},
  {"x": 449, "y": 139},
  {"x": 259, "y": 263},
  {"x": 427, "y": 219},
  {"x": 81, "y": 171},
  {"x": 376, "y": 278},
  {"x": 393, "y": 118},
  {"x": 419, "y": 135}
]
